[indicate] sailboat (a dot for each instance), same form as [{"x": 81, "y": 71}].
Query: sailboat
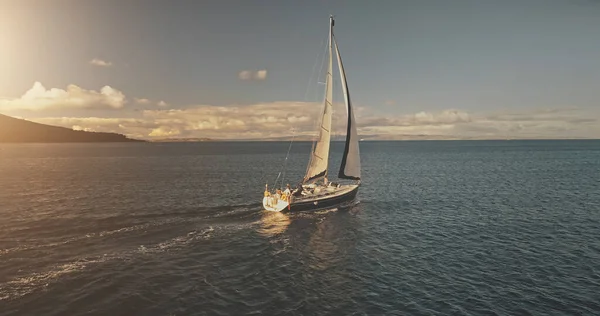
[{"x": 315, "y": 191}]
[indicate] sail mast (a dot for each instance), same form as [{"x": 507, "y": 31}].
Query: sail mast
[
  {"x": 318, "y": 164},
  {"x": 350, "y": 166}
]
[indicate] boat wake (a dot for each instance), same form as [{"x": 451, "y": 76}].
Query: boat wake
[{"x": 31, "y": 282}]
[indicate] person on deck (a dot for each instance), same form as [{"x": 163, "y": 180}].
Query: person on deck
[
  {"x": 298, "y": 191},
  {"x": 287, "y": 190}
]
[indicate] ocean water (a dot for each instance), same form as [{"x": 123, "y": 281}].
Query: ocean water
[{"x": 439, "y": 228}]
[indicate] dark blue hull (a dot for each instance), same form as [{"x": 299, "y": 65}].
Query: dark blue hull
[{"x": 314, "y": 205}]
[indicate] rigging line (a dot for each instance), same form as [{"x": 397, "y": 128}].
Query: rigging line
[
  {"x": 313, "y": 71},
  {"x": 284, "y": 164},
  {"x": 321, "y": 66},
  {"x": 275, "y": 183},
  {"x": 306, "y": 99},
  {"x": 286, "y": 158}
]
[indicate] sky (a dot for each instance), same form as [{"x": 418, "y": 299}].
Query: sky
[{"x": 240, "y": 69}]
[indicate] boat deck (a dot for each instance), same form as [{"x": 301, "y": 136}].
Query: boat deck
[{"x": 325, "y": 193}]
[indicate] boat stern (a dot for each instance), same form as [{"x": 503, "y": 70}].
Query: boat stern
[{"x": 274, "y": 204}]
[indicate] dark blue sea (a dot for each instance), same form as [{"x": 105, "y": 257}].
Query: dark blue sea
[{"x": 438, "y": 228}]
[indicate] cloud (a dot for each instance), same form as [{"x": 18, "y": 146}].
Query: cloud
[
  {"x": 278, "y": 119},
  {"x": 249, "y": 74},
  {"x": 261, "y": 74},
  {"x": 221, "y": 122},
  {"x": 142, "y": 101},
  {"x": 100, "y": 62},
  {"x": 229, "y": 121},
  {"x": 79, "y": 128},
  {"x": 390, "y": 102},
  {"x": 164, "y": 131},
  {"x": 40, "y": 98},
  {"x": 245, "y": 75},
  {"x": 418, "y": 119}
]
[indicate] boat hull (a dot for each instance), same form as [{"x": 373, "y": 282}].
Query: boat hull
[{"x": 318, "y": 203}]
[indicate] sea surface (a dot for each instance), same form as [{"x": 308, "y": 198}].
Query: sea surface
[{"x": 438, "y": 228}]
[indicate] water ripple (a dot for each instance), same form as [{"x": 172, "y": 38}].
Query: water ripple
[{"x": 442, "y": 228}]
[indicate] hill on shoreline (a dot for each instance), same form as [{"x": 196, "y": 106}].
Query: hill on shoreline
[{"x": 14, "y": 130}]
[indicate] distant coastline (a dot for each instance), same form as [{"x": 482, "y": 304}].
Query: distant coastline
[
  {"x": 14, "y": 130},
  {"x": 391, "y": 139},
  {"x": 182, "y": 140},
  {"x": 308, "y": 139}
]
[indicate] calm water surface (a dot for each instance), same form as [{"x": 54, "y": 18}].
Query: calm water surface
[{"x": 440, "y": 228}]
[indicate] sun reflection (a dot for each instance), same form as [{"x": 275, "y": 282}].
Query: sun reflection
[
  {"x": 333, "y": 240},
  {"x": 273, "y": 223},
  {"x": 323, "y": 246}
]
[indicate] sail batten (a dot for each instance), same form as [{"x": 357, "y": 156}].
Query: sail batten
[
  {"x": 350, "y": 166},
  {"x": 319, "y": 159}
]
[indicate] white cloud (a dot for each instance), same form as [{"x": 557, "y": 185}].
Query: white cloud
[
  {"x": 100, "y": 62},
  {"x": 164, "y": 131},
  {"x": 142, "y": 101},
  {"x": 79, "y": 128},
  {"x": 417, "y": 119},
  {"x": 227, "y": 121},
  {"x": 222, "y": 122},
  {"x": 245, "y": 75},
  {"x": 40, "y": 98},
  {"x": 277, "y": 119},
  {"x": 261, "y": 74},
  {"x": 249, "y": 74},
  {"x": 453, "y": 124}
]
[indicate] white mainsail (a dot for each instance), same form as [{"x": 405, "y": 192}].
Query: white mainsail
[
  {"x": 317, "y": 167},
  {"x": 350, "y": 166}
]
